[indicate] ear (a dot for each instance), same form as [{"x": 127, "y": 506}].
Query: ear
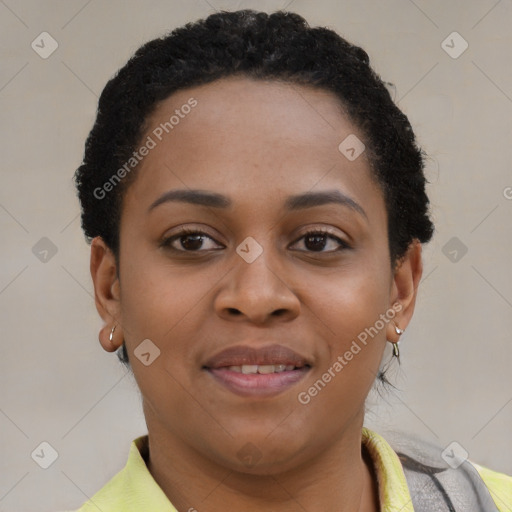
[
  {"x": 404, "y": 288},
  {"x": 106, "y": 293}
]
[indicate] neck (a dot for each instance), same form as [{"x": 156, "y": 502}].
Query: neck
[{"x": 338, "y": 479}]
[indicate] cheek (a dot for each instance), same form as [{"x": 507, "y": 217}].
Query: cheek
[
  {"x": 157, "y": 295},
  {"x": 163, "y": 305},
  {"x": 351, "y": 299},
  {"x": 351, "y": 310},
  {"x": 169, "y": 306}
]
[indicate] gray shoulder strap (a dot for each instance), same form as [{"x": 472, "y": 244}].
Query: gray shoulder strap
[{"x": 436, "y": 486}]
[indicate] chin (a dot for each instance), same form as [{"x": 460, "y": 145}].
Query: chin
[{"x": 261, "y": 456}]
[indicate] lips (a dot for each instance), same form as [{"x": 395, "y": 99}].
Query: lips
[
  {"x": 240, "y": 355},
  {"x": 263, "y": 371}
]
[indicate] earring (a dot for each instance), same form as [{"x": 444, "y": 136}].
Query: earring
[
  {"x": 396, "y": 350},
  {"x": 111, "y": 337}
]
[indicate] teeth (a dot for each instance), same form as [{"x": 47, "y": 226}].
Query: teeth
[
  {"x": 262, "y": 368},
  {"x": 266, "y": 368},
  {"x": 250, "y": 368}
]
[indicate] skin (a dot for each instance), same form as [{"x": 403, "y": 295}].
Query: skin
[{"x": 257, "y": 143}]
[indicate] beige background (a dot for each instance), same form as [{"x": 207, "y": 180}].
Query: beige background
[{"x": 57, "y": 385}]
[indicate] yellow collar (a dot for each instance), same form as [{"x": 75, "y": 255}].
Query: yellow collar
[{"x": 393, "y": 490}]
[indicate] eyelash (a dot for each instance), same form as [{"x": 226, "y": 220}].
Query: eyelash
[{"x": 167, "y": 242}]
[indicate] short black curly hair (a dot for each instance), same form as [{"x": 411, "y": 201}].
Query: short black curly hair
[{"x": 278, "y": 46}]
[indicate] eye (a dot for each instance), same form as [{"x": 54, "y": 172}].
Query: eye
[
  {"x": 319, "y": 239},
  {"x": 189, "y": 240},
  {"x": 194, "y": 240}
]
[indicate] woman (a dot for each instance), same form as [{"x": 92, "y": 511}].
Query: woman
[{"x": 256, "y": 209}]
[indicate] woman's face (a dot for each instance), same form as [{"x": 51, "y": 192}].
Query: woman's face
[{"x": 286, "y": 268}]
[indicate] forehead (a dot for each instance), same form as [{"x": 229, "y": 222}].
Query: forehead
[{"x": 251, "y": 138}]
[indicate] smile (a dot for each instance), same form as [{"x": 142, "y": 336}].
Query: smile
[{"x": 261, "y": 372}]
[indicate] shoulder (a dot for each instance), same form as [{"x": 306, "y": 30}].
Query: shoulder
[
  {"x": 499, "y": 486},
  {"x": 434, "y": 483}
]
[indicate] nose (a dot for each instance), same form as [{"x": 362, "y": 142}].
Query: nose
[{"x": 256, "y": 292}]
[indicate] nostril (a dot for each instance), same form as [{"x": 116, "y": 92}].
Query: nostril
[{"x": 234, "y": 311}]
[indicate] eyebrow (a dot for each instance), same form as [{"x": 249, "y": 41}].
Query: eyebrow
[{"x": 292, "y": 203}]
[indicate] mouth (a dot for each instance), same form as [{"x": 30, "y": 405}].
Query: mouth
[
  {"x": 262, "y": 369},
  {"x": 262, "y": 372}
]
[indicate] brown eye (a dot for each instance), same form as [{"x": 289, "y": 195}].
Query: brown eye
[
  {"x": 189, "y": 241},
  {"x": 317, "y": 241}
]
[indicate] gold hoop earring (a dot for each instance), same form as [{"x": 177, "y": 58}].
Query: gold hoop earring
[
  {"x": 396, "y": 349},
  {"x": 111, "y": 336}
]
